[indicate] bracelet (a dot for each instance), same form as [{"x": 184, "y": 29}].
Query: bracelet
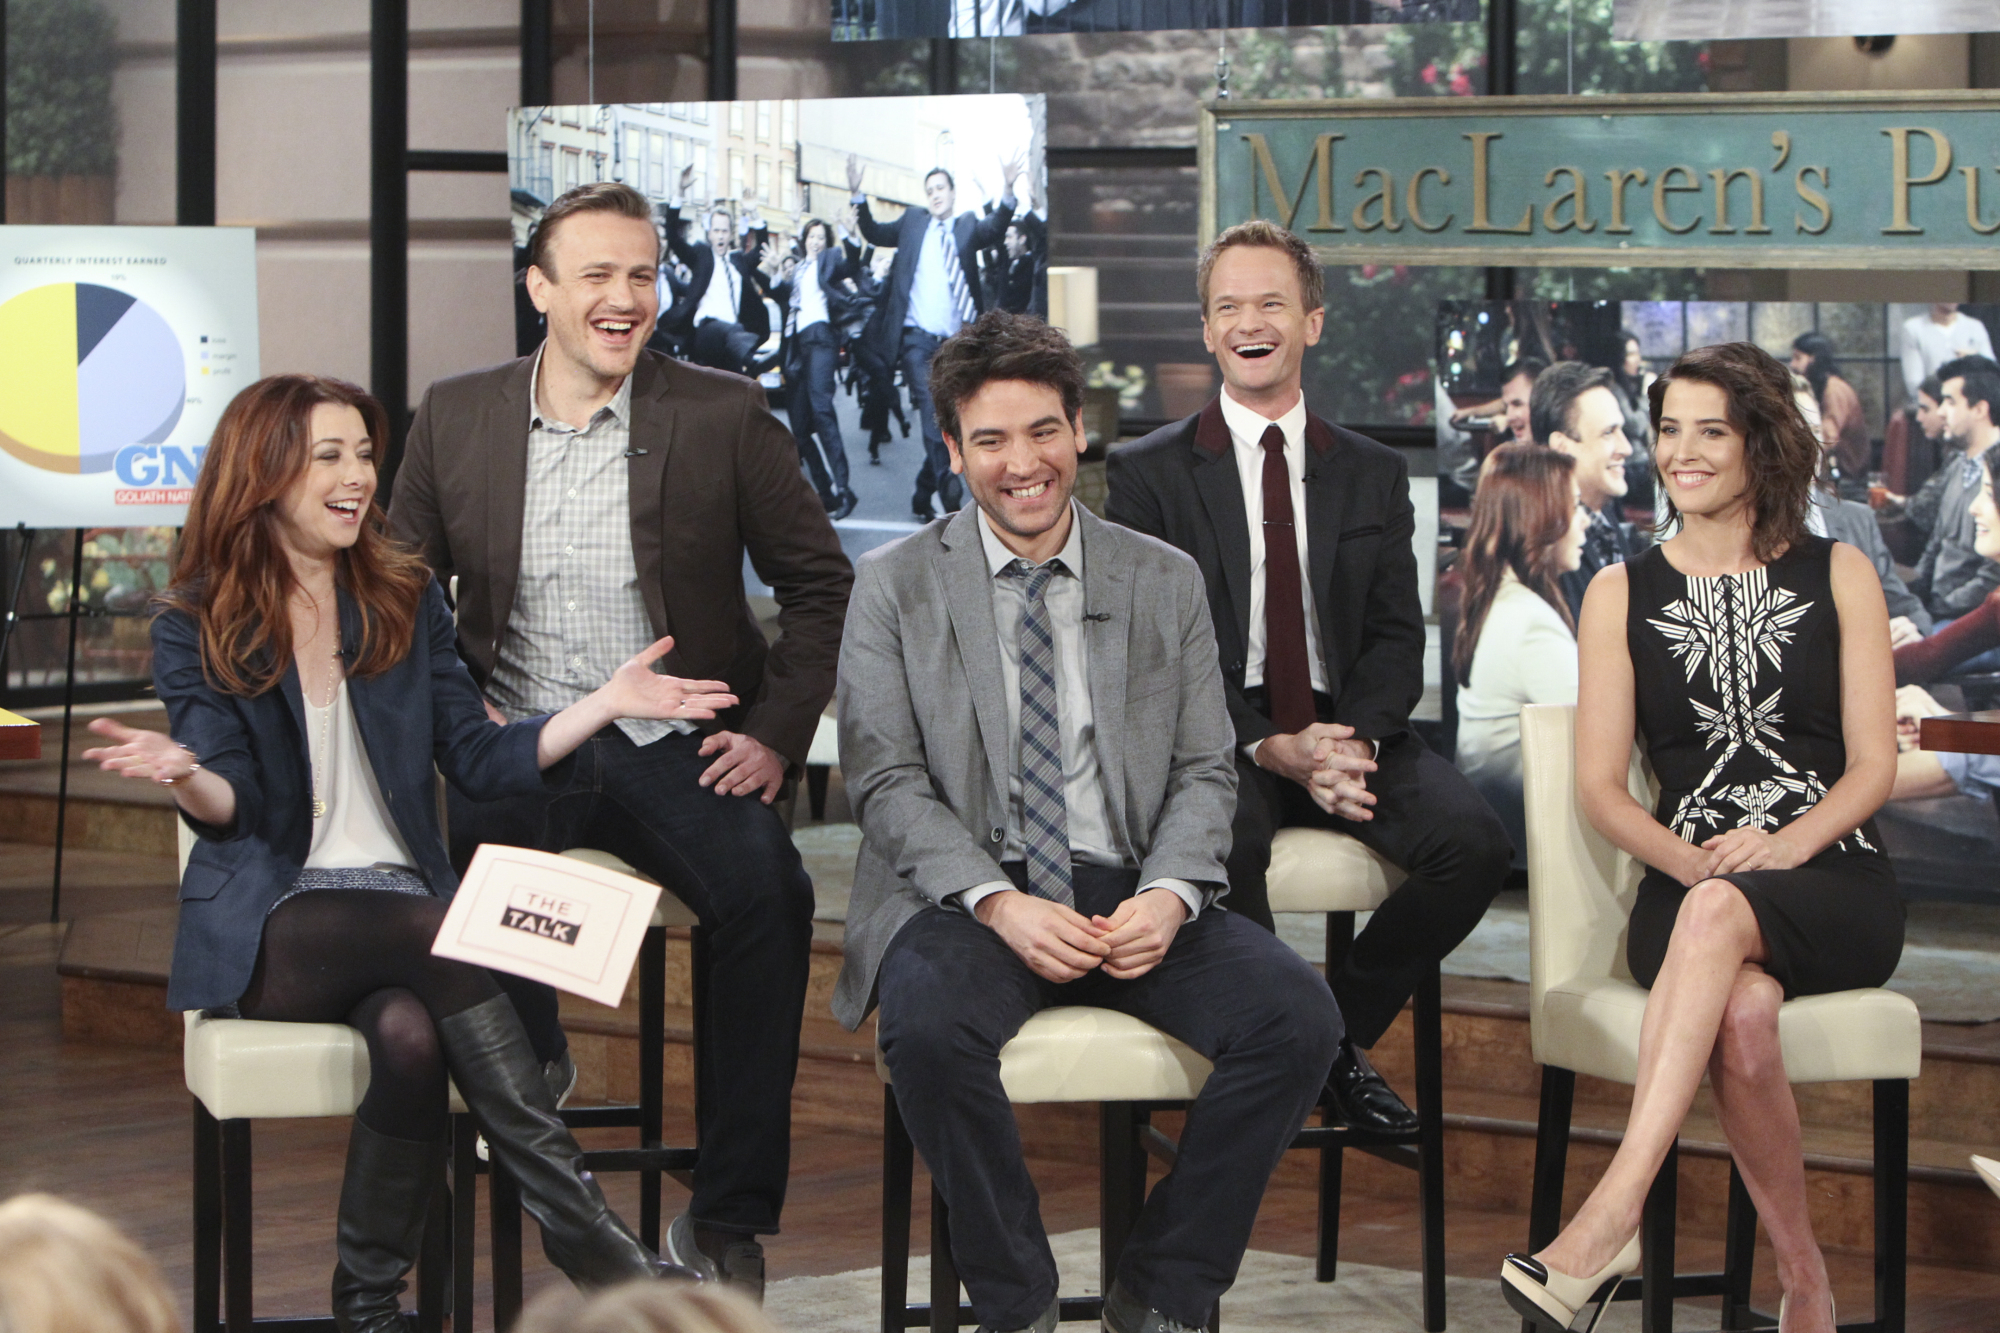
[{"x": 194, "y": 766}]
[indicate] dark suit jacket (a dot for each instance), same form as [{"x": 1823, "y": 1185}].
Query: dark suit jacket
[
  {"x": 421, "y": 716},
  {"x": 972, "y": 233},
  {"x": 836, "y": 266},
  {"x": 1180, "y": 484},
  {"x": 718, "y": 476},
  {"x": 700, "y": 260}
]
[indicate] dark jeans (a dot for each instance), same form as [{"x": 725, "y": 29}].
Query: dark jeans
[
  {"x": 952, "y": 994},
  {"x": 1429, "y": 821},
  {"x": 730, "y": 860},
  {"x": 723, "y": 346},
  {"x": 810, "y": 407},
  {"x": 935, "y": 477}
]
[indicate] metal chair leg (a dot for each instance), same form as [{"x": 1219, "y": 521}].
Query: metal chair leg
[
  {"x": 1428, "y": 1033},
  {"x": 897, "y": 1170},
  {"x": 944, "y": 1273},
  {"x": 652, "y": 1072},
  {"x": 504, "y": 1208},
  {"x": 1551, "y": 1151},
  {"x": 1332, "y": 1160},
  {"x": 236, "y": 1261},
  {"x": 1739, "y": 1250},
  {"x": 464, "y": 1215},
  {"x": 1657, "y": 1302},
  {"x": 207, "y": 1221},
  {"x": 1892, "y": 1201}
]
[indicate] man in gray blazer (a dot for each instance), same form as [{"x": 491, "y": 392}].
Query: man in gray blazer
[{"x": 1036, "y": 747}]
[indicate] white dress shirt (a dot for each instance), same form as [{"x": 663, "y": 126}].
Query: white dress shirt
[
  {"x": 1092, "y": 839},
  {"x": 1928, "y": 344},
  {"x": 808, "y": 297},
  {"x": 1246, "y": 432},
  {"x": 723, "y": 299}
]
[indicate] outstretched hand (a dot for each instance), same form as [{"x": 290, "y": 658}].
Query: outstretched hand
[
  {"x": 853, "y": 174},
  {"x": 136, "y": 753},
  {"x": 636, "y": 690}
]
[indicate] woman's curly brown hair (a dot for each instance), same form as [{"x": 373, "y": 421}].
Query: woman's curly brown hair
[{"x": 1780, "y": 451}]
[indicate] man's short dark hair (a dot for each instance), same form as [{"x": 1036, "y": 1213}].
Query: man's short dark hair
[
  {"x": 1552, "y": 406},
  {"x": 1932, "y": 388},
  {"x": 1982, "y": 382},
  {"x": 598, "y": 197},
  {"x": 1531, "y": 366},
  {"x": 1000, "y": 345},
  {"x": 940, "y": 171},
  {"x": 1268, "y": 236}
]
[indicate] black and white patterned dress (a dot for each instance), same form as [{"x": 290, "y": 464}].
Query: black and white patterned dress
[{"x": 1737, "y": 681}]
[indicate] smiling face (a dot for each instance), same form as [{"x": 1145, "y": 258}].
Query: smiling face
[
  {"x": 1596, "y": 440},
  {"x": 603, "y": 297},
  {"x": 321, "y": 512},
  {"x": 1986, "y": 520},
  {"x": 1257, "y": 326},
  {"x": 939, "y": 196},
  {"x": 1018, "y": 456},
  {"x": 815, "y": 240},
  {"x": 1515, "y": 395},
  {"x": 1700, "y": 454}
]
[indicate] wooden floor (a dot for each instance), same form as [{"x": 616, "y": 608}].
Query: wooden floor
[{"x": 108, "y": 1126}]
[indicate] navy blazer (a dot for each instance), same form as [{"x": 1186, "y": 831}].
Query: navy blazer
[{"x": 421, "y": 716}]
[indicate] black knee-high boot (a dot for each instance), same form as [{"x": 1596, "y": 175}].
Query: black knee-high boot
[
  {"x": 497, "y": 1074},
  {"x": 383, "y": 1200}
]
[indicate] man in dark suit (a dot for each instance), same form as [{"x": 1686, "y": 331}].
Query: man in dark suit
[
  {"x": 593, "y": 495},
  {"x": 933, "y": 290},
  {"x": 721, "y": 320},
  {"x": 1033, "y": 731},
  {"x": 1321, "y": 637}
]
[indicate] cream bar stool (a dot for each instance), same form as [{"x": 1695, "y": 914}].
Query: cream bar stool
[
  {"x": 651, "y": 1159},
  {"x": 1068, "y": 1054},
  {"x": 1318, "y": 870},
  {"x": 240, "y": 1070},
  {"x": 1584, "y": 1017}
]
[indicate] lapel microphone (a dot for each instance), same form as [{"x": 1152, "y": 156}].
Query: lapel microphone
[
  {"x": 1098, "y": 616},
  {"x": 634, "y": 453}
]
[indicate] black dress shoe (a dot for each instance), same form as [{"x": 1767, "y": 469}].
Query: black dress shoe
[
  {"x": 1363, "y": 1099},
  {"x": 845, "y": 505},
  {"x": 1123, "y": 1313}
]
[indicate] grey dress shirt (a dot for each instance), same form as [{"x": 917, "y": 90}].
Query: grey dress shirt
[{"x": 1091, "y": 839}]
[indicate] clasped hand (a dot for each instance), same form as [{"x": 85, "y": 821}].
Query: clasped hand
[
  {"x": 1742, "y": 849},
  {"x": 1329, "y": 763},
  {"x": 1061, "y": 944}
]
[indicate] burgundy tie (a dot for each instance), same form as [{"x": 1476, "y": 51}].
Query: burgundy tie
[{"x": 1287, "y": 678}]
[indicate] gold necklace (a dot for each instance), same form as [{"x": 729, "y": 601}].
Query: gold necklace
[{"x": 322, "y": 758}]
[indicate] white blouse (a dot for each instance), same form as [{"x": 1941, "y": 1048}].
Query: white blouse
[{"x": 356, "y": 829}]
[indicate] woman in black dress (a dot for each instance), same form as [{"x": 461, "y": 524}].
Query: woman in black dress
[{"x": 1753, "y": 661}]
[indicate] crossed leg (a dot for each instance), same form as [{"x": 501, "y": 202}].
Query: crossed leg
[{"x": 1711, "y": 1006}]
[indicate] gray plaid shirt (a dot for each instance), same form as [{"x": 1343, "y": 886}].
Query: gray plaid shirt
[{"x": 578, "y": 613}]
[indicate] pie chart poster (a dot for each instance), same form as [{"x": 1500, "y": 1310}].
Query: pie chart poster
[{"x": 119, "y": 348}]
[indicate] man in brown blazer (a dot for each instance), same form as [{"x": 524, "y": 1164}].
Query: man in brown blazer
[{"x": 595, "y": 496}]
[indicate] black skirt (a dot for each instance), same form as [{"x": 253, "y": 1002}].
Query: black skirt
[{"x": 1832, "y": 924}]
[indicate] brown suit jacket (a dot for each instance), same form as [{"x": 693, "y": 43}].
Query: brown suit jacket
[{"x": 718, "y": 476}]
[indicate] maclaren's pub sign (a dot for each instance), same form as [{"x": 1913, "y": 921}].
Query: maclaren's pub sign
[{"x": 1772, "y": 180}]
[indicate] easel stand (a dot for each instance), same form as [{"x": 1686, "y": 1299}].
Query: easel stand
[{"x": 73, "y": 612}]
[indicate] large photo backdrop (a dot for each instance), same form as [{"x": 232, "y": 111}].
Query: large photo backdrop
[
  {"x": 781, "y": 228},
  {"x": 1904, "y": 397}
]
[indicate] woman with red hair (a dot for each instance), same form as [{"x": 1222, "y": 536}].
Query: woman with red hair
[
  {"x": 312, "y": 689},
  {"x": 1516, "y": 642}
]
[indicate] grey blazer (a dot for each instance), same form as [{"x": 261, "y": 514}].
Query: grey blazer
[{"x": 923, "y": 725}]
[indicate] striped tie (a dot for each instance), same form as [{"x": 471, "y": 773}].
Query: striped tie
[
  {"x": 962, "y": 311},
  {"x": 1044, "y": 817}
]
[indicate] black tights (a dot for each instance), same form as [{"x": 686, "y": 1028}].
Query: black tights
[{"x": 363, "y": 957}]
